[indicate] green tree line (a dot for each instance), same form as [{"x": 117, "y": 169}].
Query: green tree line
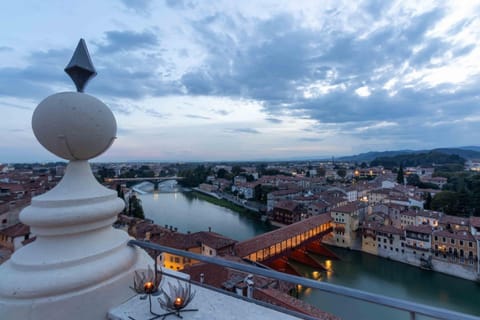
[{"x": 418, "y": 159}]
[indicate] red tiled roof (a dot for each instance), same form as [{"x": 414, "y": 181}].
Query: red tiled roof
[
  {"x": 389, "y": 229},
  {"x": 426, "y": 229},
  {"x": 460, "y": 235},
  {"x": 429, "y": 214},
  {"x": 349, "y": 207},
  {"x": 17, "y": 230},
  {"x": 286, "y": 205},
  {"x": 213, "y": 240},
  {"x": 475, "y": 222},
  {"x": 279, "y": 193},
  {"x": 13, "y": 187},
  {"x": 448, "y": 219},
  {"x": 319, "y": 205},
  {"x": 187, "y": 241},
  {"x": 29, "y": 240},
  {"x": 410, "y": 213}
]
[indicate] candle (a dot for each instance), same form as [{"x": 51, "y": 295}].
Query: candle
[
  {"x": 178, "y": 303},
  {"x": 148, "y": 286}
]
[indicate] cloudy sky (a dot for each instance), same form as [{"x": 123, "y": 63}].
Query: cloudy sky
[{"x": 248, "y": 80}]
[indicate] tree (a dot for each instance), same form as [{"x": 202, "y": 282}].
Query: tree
[
  {"x": 262, "y": 191},
  {"x": 135, "y": 208},
  {"x": 120, "y": 193},
  {"x": 236, "y": 170},
  {"x": 104, "y": 173},
  {"x": 413, "y": 179},
  {"x": 192, "y": 178},
  {"x": 400, "y": 178},
  {"x": 448, "y": 202},
  {"x": 342, "y": 172},
  {"x": 427, "y": 205},
  {"x": 321, "y": 172},
  {"x": 221, "y": 173}
]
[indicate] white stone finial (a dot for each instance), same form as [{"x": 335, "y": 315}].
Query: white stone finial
[
  {"x": 79, "y": 266},
  {"x": 74, "y": 126}
]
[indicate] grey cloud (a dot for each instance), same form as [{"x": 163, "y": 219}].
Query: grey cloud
[
  {"x": 5, "y": 48},
  {"x": 375, "y": 8},
  {"x": 221, "y": 112},
  {"x": 311, "y": 139},
  {"x": 244, "y": 130},
  {"x": 45, "y": 69},
  {"x": 181, "y": 4},
  {"x": 139, "y": 6},
  {"x": 122, "y": 108},
  {"x": 194, "y": 116},
  {"x": 274, "y": 120},
  {"x": 283, "y": 57},
  {"x": 156, "y": 114},
  {"x": 120, "y": 73},
  {"x": 117, "y": 41},
  {"x": 197, "y": 83}
]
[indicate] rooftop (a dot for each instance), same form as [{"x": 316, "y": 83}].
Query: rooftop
[{"x": 209, "y": 304}]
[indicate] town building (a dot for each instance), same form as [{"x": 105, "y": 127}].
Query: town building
[
  {"x": 346, "y": 221},
  {"x": 287, "y": 212},
  {"x": 418, "y": 243}
]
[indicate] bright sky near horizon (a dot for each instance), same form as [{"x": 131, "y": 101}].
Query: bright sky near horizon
[{"x": 249, "y": 80}]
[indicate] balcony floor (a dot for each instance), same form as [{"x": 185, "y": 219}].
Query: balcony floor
[{"x": 210, "y": 304}]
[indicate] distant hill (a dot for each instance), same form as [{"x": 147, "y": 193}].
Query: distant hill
[
  {"x": 473, "y": 148},
  {"x": 464, "y": 152},
  {"x": 470, "y": 152},
  {"x": 418, "y": 159},
  {"x": 370, "y": 156}
]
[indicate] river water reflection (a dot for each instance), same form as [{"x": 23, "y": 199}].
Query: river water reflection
[
  {"x": 377, "y": 275},
  {"x": 356, "y": 270},
  {"x": 189, "y": 213}
]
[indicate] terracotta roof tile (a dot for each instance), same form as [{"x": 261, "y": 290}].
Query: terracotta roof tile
[
  {"x": 475, "y": 222},
  {"x": 426, "y": 229},
  {"x": 17, "y": 230},
  {"x": 349, "y": 207},
  {"x": 286, "y": 205},
  {"x": 448, "y": 219},
  {"x": 460, "y": 235}
]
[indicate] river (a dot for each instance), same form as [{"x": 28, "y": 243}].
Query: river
[
  {"x": 355, "y": 269},
  {"x": 188, "y": 213}
]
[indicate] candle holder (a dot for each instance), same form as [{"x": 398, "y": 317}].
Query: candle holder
[
  {"x": 177, "y": 299},
  {"x": 147, "y": 283}
]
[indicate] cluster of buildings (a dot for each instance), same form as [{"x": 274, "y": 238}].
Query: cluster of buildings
[
  {"x": 375, "y": 215},
  {"x": 423, "y": 238},
  {"x": 17, "y": 187}
]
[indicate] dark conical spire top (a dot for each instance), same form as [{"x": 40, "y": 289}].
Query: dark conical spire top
[{"x": 80, "y": 68}]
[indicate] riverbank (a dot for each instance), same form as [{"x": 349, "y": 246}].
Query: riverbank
[
  {"x": 226, "y": 204},
  {"x": 466, "y": 272}
]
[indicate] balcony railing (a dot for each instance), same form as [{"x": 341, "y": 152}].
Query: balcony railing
[
  {"x": 414, "y": 247},
  {"x": 412, "y": 308}
]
